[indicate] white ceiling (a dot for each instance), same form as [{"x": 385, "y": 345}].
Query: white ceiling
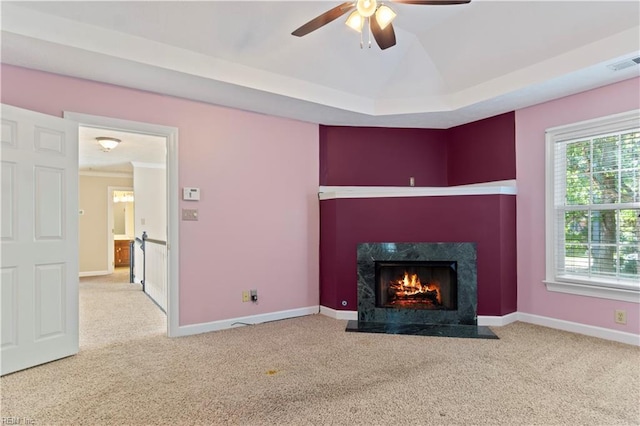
[
  {"x": 133, "y": 148},
  {"x": 451, "y": 64}
]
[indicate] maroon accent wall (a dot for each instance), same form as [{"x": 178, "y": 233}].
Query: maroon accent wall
[
  {"x": 379, "y": 156},
  {"x": 488, "y": 220},
  {"x": 508, "y": 258},
  {"x": 482, "y": 151}
]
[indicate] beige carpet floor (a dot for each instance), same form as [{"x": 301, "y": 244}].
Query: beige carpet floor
[
  {"x": 114, "y": 311},
  {"x": 308, "y": 371}
]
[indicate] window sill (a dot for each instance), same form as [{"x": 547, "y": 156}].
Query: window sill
[{"x": 592, "y": 290}]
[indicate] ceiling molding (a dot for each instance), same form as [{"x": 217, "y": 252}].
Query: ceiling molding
[
  {"x": 408, "y": 89},
  {"x": 141, "y": 165},
  {"x": 105, "y": 174}
]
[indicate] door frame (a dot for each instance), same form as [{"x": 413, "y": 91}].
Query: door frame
[
  {"x": 171, "y": 135},
  {"x": 111, "y": 225}
]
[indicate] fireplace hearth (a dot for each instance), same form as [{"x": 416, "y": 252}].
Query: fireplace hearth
[{"x": 418, "y": 288}]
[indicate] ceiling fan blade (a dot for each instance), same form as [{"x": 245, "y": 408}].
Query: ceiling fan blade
[
  {"x": 324, "y": 19},
  {"x": 385, "y": 38},
  {"x": 432, "y": 2}
]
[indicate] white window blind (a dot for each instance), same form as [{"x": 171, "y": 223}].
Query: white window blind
[{"x": 595, "y": 183}]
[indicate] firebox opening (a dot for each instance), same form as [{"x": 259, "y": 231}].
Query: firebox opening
[{"x": 417, "y": 285}]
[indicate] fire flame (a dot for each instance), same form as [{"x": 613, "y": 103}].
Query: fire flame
[{"x": 410, "y": 285}]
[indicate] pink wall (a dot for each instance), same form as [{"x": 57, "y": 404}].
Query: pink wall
[
  {"x": 258, "y": 175},
  {"x": 531, "y": 123}
]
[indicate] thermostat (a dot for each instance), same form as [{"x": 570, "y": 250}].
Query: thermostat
[{"x": 191, "y": 194}]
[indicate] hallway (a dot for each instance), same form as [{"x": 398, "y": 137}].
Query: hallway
[{"x": 114, "y": 311}]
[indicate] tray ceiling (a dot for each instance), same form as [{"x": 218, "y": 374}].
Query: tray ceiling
[{"x": 451, "y": 64}]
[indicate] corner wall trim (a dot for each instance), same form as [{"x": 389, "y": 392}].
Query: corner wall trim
[
  {"x": 339, "y": 315},
  {"x": 588, "y": 330},
  {"x": 496, "y": 321},
  {"x": 188, "y": 330},
  {"x": 503, "y": 187},
  {"x": 93, "y": 273}
]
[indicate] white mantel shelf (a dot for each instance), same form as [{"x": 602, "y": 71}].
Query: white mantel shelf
[{"x": 503, "y": 187}]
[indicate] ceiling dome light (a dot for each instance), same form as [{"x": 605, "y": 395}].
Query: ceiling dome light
[
  {"x": 355, "y": 21},
  {"x": 384, "y": 16},
  {"x": 366, "y": 8},
  {"x": 108, "y": 144}
]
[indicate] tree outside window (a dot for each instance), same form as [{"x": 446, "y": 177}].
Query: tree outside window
[{"x": 593, "y": 207}]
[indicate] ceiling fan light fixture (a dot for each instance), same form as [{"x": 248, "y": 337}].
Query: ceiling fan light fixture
[
  {"x": 355, "y": 21},
  {"x": 366, "y": 8},
  {"x": 108, "y": 144},
  {"x": 385, "y": 15},
  {"x": 380, "y": 26}
]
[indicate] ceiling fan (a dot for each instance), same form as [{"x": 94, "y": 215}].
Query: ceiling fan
[{"x": 376, "y": 14}]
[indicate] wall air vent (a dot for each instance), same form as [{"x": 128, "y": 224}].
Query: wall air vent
[{"x": 624, "y": 64}]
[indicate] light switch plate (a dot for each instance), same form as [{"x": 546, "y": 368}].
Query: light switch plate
[
  {"x": 189, "y": 214},
  {"x": 191, "y": 194}
]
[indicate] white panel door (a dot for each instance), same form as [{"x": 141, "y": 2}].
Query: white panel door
[{"x": 39, "y": 268}]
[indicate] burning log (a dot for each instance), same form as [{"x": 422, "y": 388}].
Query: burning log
[
  {"x": 427, "y": 296},
  {"x": 409, "y": 288}
]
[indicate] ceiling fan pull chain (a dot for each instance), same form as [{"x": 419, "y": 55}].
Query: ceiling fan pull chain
[
  {"x": 361, "y": 40},
  {"x": 369, "y": 26}
]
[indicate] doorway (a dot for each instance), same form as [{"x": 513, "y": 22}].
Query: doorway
[
  {"x": 120, "y": 226},
  {"x": 159, "y": 221}
]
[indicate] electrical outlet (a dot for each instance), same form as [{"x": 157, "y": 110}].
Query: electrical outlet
[
  {"x": 254, "y": 295},
  {"x": 245, "y": 296},
  {"x": 621, "y": 316}
]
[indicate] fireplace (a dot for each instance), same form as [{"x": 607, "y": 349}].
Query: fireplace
[
  {"x": 417, "y": 285},
  {"x": 420, "y": 285}
]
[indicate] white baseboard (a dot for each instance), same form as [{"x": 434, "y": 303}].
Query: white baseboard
[
  {"x": 496, "y": 321},
  {"x": 188, "y": 330},
  {"x": 499, "y": 321},
  {"x": 93, "y": 273},
  {"x": 482, "y": 320},
  {"x": 339, "y": 315},
  {"x": 574, "y": 327}
]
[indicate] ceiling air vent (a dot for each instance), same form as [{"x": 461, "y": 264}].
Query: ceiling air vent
[{"x": 624, "y": 64}]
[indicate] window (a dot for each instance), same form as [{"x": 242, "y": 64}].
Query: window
[{"x": 593, "y": 207}]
